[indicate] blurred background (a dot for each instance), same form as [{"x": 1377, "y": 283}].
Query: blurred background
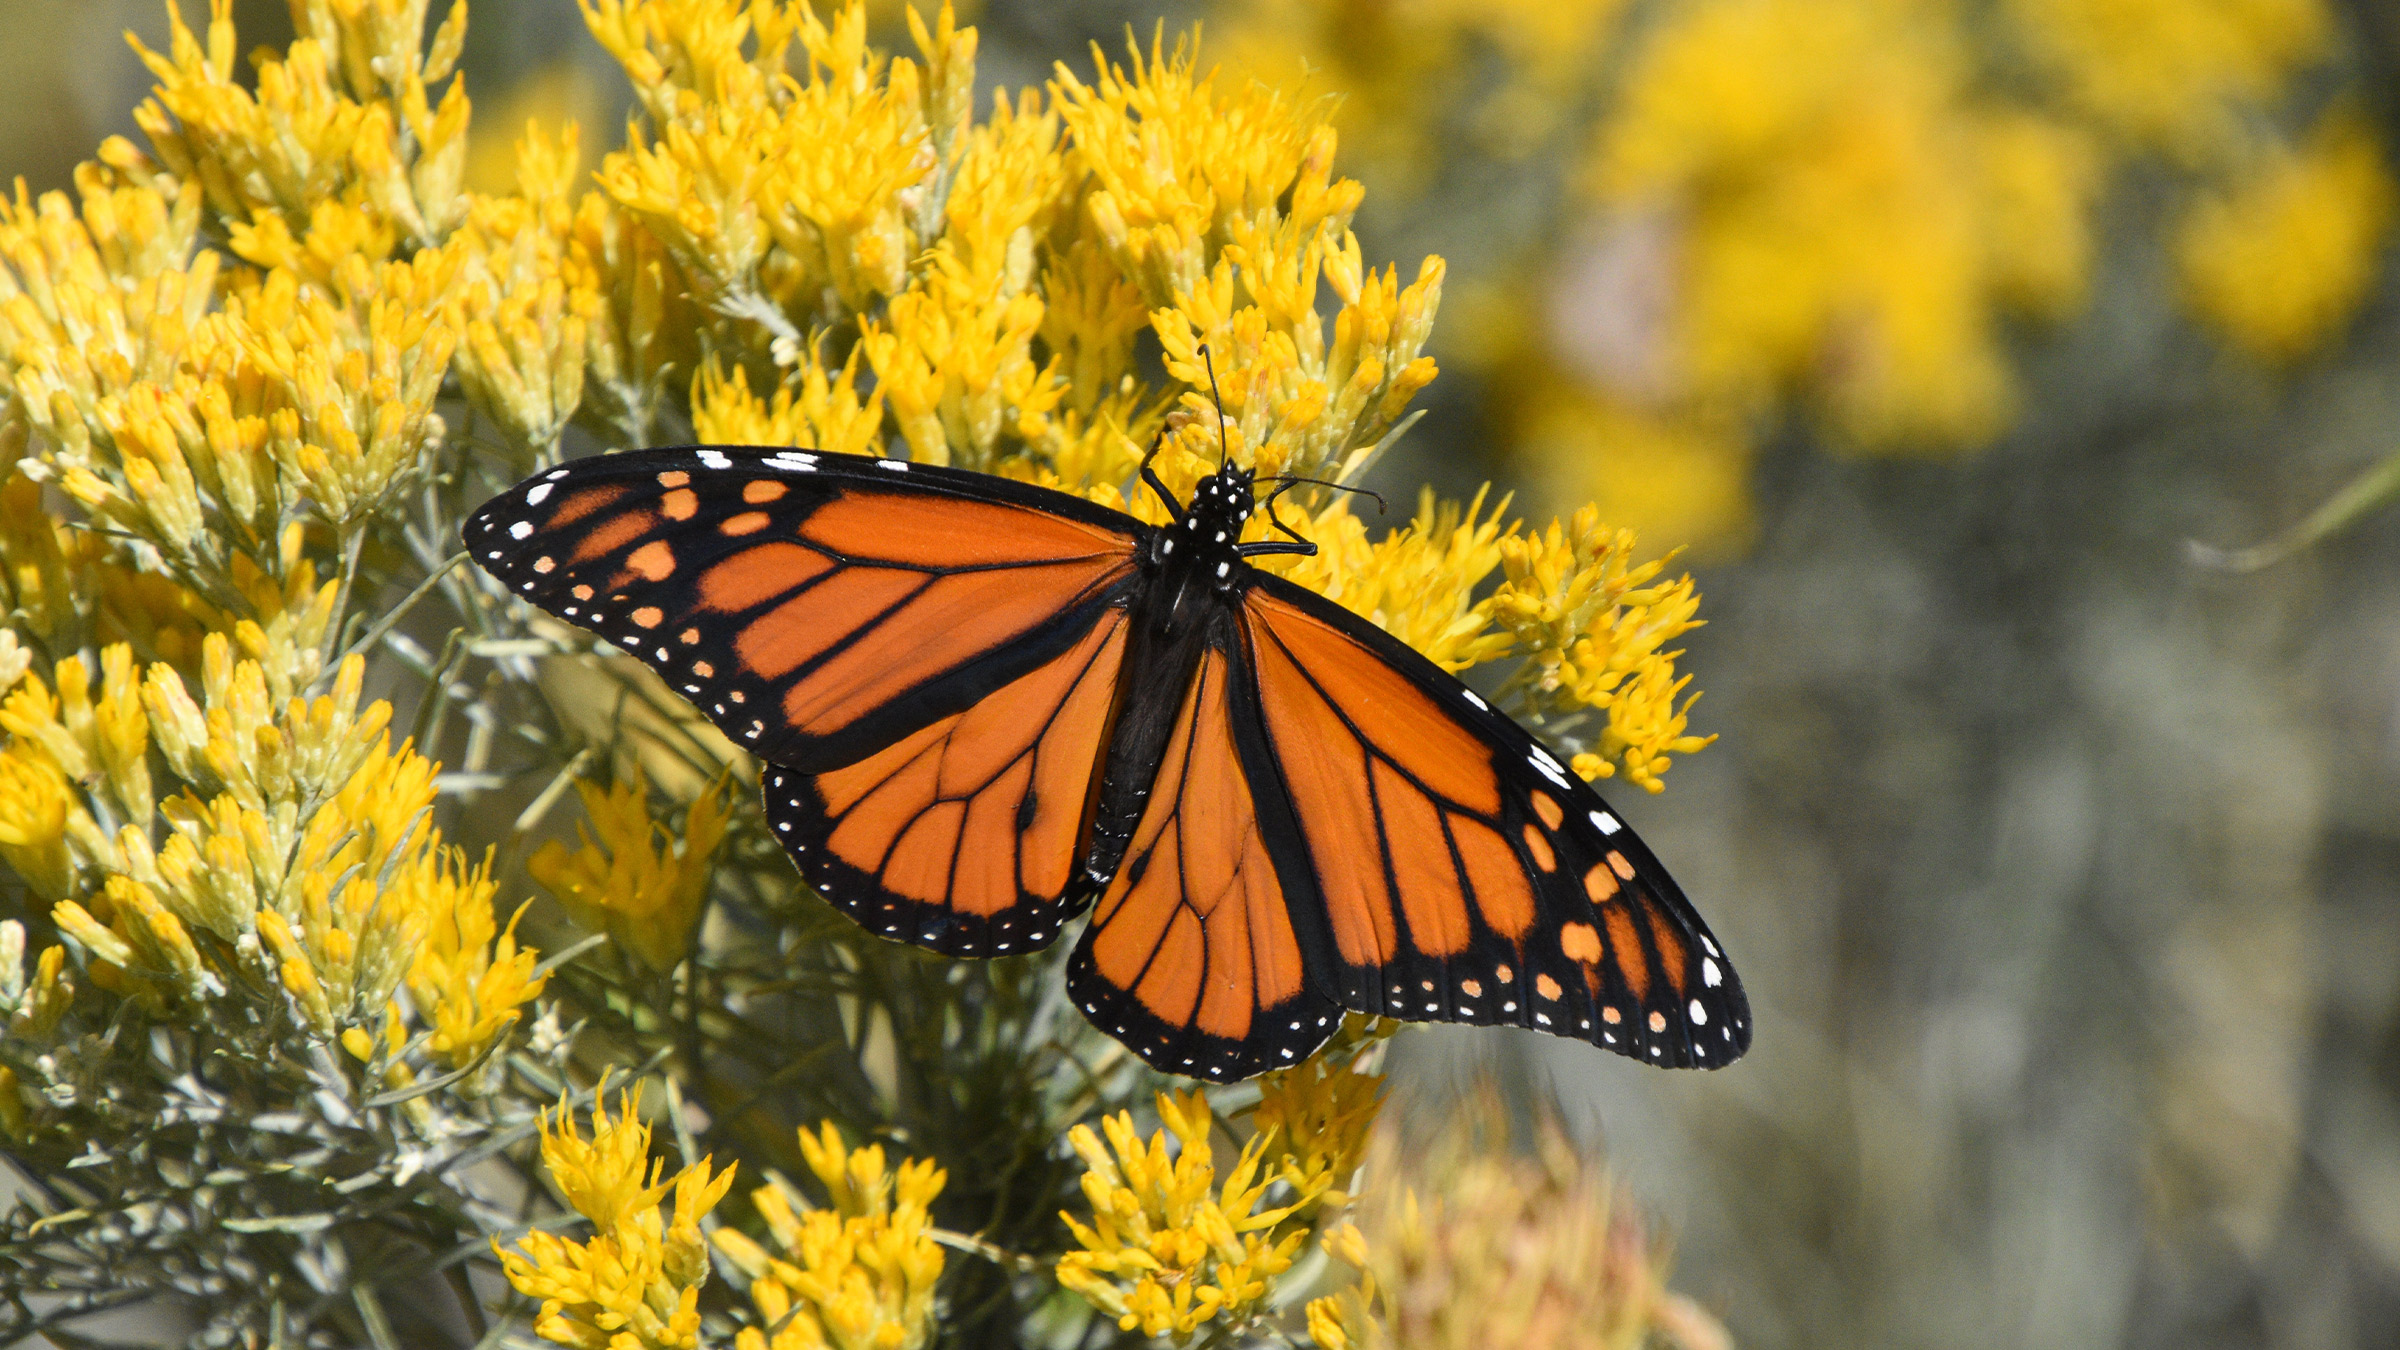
[{"x": 2061, "y": 866}]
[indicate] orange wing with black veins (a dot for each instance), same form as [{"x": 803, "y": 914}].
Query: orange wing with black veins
[
  {"x": 1193, "y": 958},
  {"x": 1465, "y": 876}
]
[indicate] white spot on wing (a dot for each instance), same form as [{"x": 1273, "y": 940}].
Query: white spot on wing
[
  {"x": 1607, "y": 823},
  {"x": 895, "y": 465},
  {"x": 1469, "y": 695},
  {"x": 521, "y": 529},
  {"x": 715, "y": 459},
  {"x": 1699, "y": 1014},
  {"x": 535, "y": 496},
  {"x": 1710, "y": 975}
]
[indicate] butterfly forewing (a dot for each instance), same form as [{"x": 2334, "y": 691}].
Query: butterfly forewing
[
  {"x": 816, "y": 607},
  {"x": 1466, "y": 877}
]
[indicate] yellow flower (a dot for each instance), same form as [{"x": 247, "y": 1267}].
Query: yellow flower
[
  {"x": 467, "y": 979},
  {"x": 1319, "y": 1113},
  {"x": 1471, "y": 1243},
  {"x": 2282, "y": 260},
  {"x": 2172, "y": 74},
  {"x": 1167, "y": 1248},
  {"x": 635, "y": 1285},
  {"x": 858, "y": 1276},
  {"x": 1417, "y": 582},
  {"x": 1848, "y": 222},
  {"x": 1592, "y": 624},
  {"x": 825, "y": 413},
  {"x": 631, "y": 877},
  {"x": 30, "y": 1009}
]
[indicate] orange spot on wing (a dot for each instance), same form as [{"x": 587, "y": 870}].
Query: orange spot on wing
[
  {"x": 584, "y": 503},
  {"x": 748, "y": 522},
  {"x": 759, "y": 573},
  {"x": 1548, "y": 988},
  {"x": 674, "y": 478},
  {"x": 1669, "y": 943},
  {"x": 758, "y": 492},
  {"x": 1503, "y": 892},
  {"x": 654, "y": 561},
  {"x": 1618, "y": 865},
  {"x": 681, "y": 504},
  {"x": 1539, "y": 847},
  {"x": 612, "y": 534},
  {"x": 648, "y": 616},
  {"x": 1471, "y": 988},
  {"x": 1580, "y": 942},
  {"x": 1626, "y": 946},
  {"x": 1599, "y": 883},
  {"x": 1547, "y": 809}
]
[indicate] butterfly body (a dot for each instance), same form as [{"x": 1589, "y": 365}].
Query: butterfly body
[{"x": 984, "y": 708}]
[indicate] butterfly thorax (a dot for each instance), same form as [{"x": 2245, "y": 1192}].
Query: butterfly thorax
[{"x": 1202, "y": 550}]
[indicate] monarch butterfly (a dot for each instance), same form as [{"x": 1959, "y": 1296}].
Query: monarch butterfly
[{"x": 983, "y": 706}]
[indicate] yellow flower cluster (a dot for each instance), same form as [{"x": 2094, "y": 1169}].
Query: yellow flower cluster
[
  {"x": 1168, "y": 1248},
  {"x": 632, "y": 877},
  {"x": 635, "y": 1284},
  {"x": 296, "y": 854},
  {"x": 1508, "y": 74},
  {"x": 1852, "y": 215},
  {"x": 1840, "y": 207},
  {"x": 857, "y": 1276},
  {"x": 2172, "y": 74},
  {"x": 1536, "y": 1251},
  {"x": 2281, "y": 261},
  {"x": 1594, "y": 622}
]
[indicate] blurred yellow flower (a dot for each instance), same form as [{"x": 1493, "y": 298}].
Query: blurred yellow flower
[
  {"x": 631, "y": 877},
  {"x": 857, "y": 1276},
  {"x": 2280, "y": 261},
  {"x": 635, "y": 1285},
  {"x": 1475, "y": 1244},
  {"x": 2172, "y": 74}
]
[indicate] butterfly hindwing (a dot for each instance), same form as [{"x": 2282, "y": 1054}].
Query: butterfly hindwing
[
  {"x": 965, "y": 837},
  {"x": 1197, "y": 956},
  {"x": 1466, "y": 875},
  {"x": 817, "y": 607}
]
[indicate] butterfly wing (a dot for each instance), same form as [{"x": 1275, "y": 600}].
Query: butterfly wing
[
  {"x": 1195, "y": 957},
  {"x": 817, "y": 607},
  {"x": 965, "y": 836},
  {"x": 1465, "y": 875},
  {"x": 928, "y": 660}
]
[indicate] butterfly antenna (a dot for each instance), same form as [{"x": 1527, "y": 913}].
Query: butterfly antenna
[{"x": 1224, "y": 440}]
